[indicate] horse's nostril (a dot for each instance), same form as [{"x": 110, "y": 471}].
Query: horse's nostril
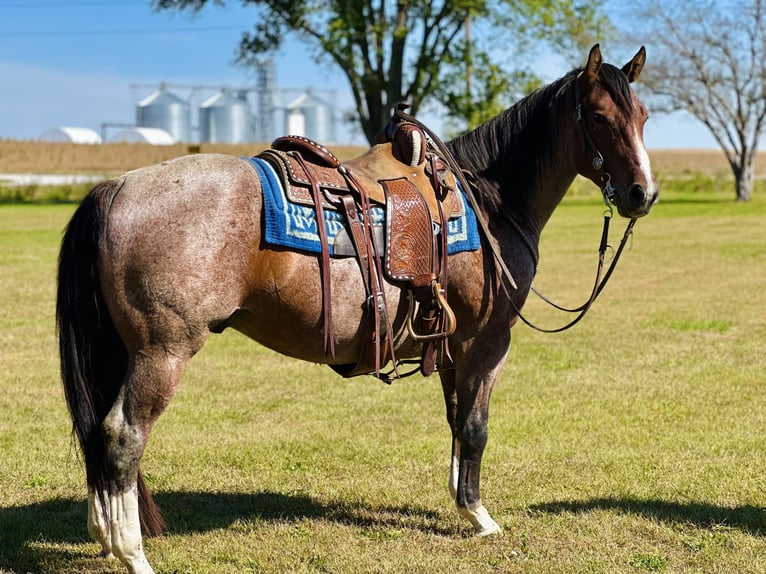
[{"x": 637, "y": 193}]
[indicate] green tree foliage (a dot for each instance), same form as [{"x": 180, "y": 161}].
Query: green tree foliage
[
  {"x": 418, "y": 50},
  {"x": 474, "y": 89}
]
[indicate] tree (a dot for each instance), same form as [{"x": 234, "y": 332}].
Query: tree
[
  {"x": 393, "y": 51},
  {"x": 709, "y": 59},
  {"x": 473, "y": 88}
]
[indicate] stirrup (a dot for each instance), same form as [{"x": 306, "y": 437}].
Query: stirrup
[{"x": 441, "y": 302}]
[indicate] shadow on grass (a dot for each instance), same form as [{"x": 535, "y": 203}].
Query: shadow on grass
[
  {"x": 748, "y": 518},
  {"x": 190, "y": 512},
  {"x": 31, "y": 536}
]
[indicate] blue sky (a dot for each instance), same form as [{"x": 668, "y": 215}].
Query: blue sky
[{"x": 74, "y": 62}]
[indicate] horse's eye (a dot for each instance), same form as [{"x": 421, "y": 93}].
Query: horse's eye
[{"x": 598, "y": 119}]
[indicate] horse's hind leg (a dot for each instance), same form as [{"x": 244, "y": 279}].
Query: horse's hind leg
[
  {"x": 98, "y": 522},
  {"x": 152, "y": 379}
]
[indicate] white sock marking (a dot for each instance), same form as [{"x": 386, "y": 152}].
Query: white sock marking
[{"x": 126, "y": 532}]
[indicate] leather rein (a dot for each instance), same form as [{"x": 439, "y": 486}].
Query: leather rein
[{"x": 608, "y": 193}]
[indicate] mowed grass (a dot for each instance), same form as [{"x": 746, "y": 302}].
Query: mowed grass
[{"x": 632, "y": 443}]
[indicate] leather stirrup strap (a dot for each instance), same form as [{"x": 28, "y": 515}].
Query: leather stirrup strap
[
  {"x": 430, "y": 351},
  {"x": 444, "y": 255},
  {"x": 384, "y": 346},
  {"x": 358, "y": 236}
]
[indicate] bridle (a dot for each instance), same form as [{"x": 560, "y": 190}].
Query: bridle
[
  {"x": 608, "y": 190},
  {"x": 608, "y": 193}
]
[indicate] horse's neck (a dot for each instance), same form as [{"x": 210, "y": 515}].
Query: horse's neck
[
  {"x": 546, "y": 190},
  {"x": 530, "y": 170}
]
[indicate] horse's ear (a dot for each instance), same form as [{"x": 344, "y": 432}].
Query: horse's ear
[
  {"x": 633, "y": 68},
  {"x": 594, "y": 63}
]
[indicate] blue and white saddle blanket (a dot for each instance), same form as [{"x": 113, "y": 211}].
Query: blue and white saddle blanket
[{"x": 293, "y": 225}]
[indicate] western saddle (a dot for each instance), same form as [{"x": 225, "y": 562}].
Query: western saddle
[{"x": 406, "y": 174}]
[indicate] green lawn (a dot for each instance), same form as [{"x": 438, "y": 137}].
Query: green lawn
[{"x": 632, "y": 443}]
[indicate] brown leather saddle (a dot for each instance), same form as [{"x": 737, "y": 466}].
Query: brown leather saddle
[{"x": 405, "y": 174}]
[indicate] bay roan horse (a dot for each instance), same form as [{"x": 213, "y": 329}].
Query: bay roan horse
[{"x": 155, "y": 260}]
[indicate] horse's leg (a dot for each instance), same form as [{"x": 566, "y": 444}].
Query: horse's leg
[
  {"x": 98, "y": 523},
  {"x": 467, "y": 391},
  {"x": 152, "y": 379},
  {"x": 450, "y": 399}
]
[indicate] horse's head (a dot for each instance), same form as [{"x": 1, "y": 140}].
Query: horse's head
[{"x": 611, "y": 120}]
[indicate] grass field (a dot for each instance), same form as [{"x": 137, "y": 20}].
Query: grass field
[
  {"x": 114, "y": 158},
  {"x": 690, "y": 170},
  {"x": 632, "y": 443}
]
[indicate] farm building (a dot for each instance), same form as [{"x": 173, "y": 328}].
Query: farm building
[
  {"x": 71, "y": 135},
  {"x": 168, "y": 112},
  {"x": 226, "y": 117},
  {"x": 155, "y": 136}
]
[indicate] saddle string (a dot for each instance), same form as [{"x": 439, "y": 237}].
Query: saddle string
[{"x": 316, "y": 194}]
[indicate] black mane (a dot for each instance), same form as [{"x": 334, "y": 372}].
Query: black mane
[{"x": 507, "y": 152}]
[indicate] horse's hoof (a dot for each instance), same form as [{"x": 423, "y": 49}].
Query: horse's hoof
[
  {"x": 493, "y": 530},
  {"x": 483, "y": 523}
]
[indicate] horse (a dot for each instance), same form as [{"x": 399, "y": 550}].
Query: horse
[{"x": 154, "y": 261}]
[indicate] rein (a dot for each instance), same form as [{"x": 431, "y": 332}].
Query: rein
[
  {"x": 598, "y": 284},
  {"x": 607, "y": 191}
]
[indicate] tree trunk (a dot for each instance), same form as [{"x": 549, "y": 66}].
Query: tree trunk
[{"x": 744, "y": 178}]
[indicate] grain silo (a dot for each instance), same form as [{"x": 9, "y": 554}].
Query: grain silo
[
  {"x": 166, "y": 111},
  {"x": 315, "y": 115},
  {"x": 226, "y": 117}
]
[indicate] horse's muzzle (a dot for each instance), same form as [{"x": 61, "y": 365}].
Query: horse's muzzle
[{"x": 636, "y": 200}]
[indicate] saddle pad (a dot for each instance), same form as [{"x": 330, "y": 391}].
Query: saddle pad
[{"x": 294, "y": 225}]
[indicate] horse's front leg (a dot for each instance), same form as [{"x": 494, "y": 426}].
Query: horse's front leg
[{"x": 467, "y": 391}]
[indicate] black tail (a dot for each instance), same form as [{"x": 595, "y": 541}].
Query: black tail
[{"x": 93, "y": 357}]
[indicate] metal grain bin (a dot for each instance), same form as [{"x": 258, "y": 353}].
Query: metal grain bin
[
  {"x": 226, "y": 117},
  {"x": 318, "y": 118},
  {"x": 166, "y": 111}
]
